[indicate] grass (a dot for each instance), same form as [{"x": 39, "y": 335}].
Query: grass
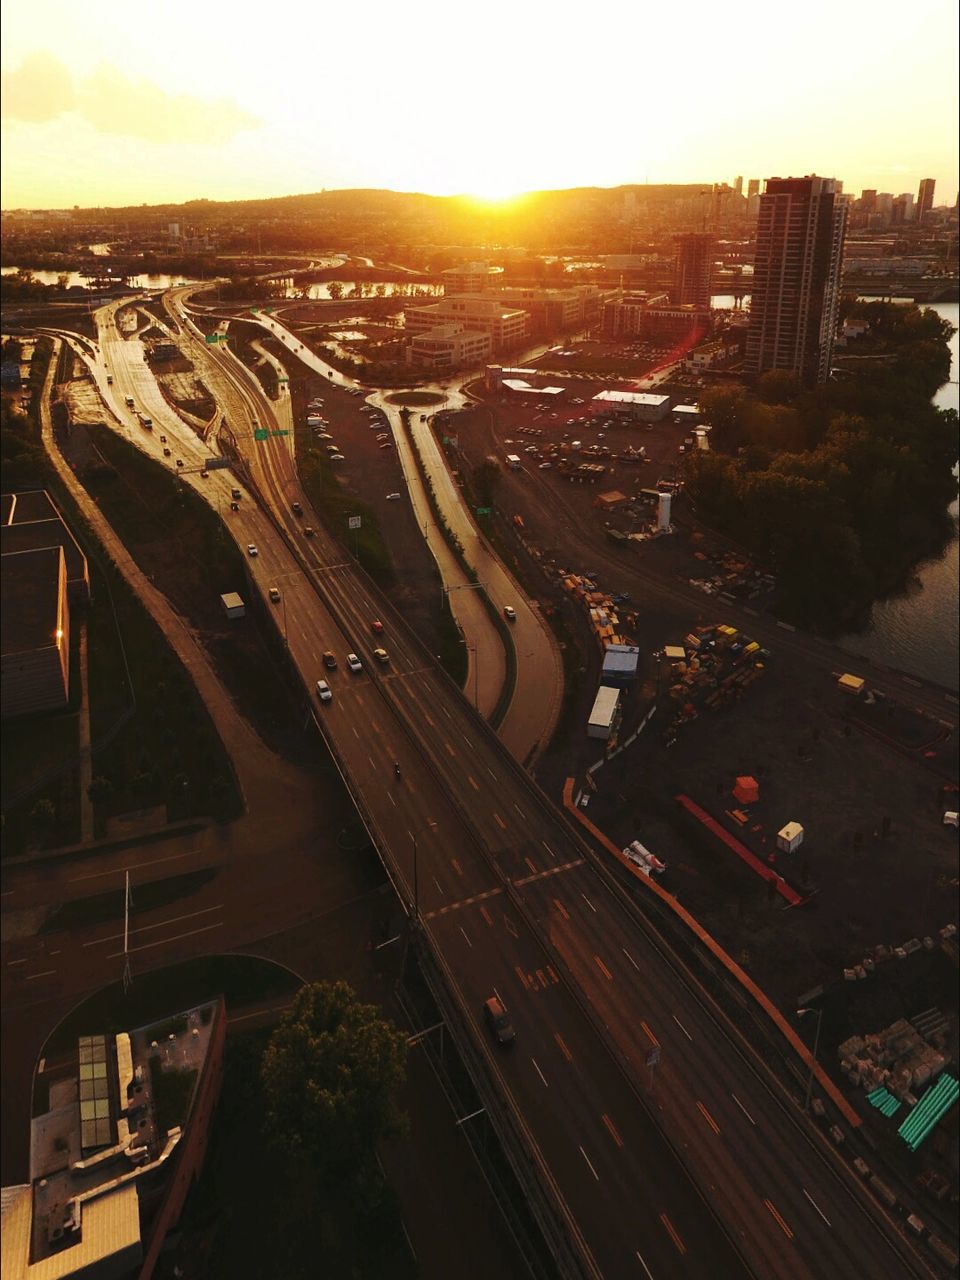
[
  {"x": 418, "y": 399},
  {"x": 367, "y": 543},
  {"x": 172, "y": 1091}
]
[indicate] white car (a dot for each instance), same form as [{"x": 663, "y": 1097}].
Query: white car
[
  {"x": 252, "y": 550},
  {"x": 509, "y": 613},
  {"x": 393, "y": 497},
  {"x": 353, "y": 663},
  {"x": 324, "y": 692}
]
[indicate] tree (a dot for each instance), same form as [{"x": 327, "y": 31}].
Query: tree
[
  {"x": 335, "y": 290},
  {"x": 725, "y": 409},
  {"x": 332, "y": 1073}
]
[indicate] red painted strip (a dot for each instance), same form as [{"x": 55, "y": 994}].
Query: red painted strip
[{"x": 741, "y": 850}]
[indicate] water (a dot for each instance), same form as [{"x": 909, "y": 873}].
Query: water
[
  {"x": 74, "y": 278},
  {"x": 918, "y": 631}
]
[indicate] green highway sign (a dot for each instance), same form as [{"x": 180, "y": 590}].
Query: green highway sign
[
  {"x": 261, "y": 433},
  {"x": 279, "y": 433},
  {"x": 484, "y": 511}
]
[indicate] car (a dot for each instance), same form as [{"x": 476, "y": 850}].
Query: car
[
  {"x": 204, "y": 473},
  {"x": 545, "y": 466},
  {"x": 323, "y": 435},
  {"x": 330, "y": 661},
  {"x": 166, "y": 453},
  {"x": 324, "y": 692},
  {"x": 234, "y": 506},
  {"x": 387, "y": 444},
  {"x": 510, "y": 613},
  {"x": 308, "y": 531},
  {"x": 376, "y": 626},
  {"x": 252, "y": 550},
  {"x": 354, "y": 663},
  {"x": 381, "y": 656},
  {"x": 275, "y": 595},
  {"x": 296, "y": 508},
  {"x": 235, "y": 494},
  {"x": 495, "y": 1016},
  {"x": 393, "y": 497},
  {"x": 179, "y": 462},
  {"x": 337, "y": 457},
  {"x": 332, "y": 448},
  {"x": 383, "y": 435},
  {"x": 163, "y": 439}
]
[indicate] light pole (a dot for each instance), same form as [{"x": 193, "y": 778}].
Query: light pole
[
  {"x": 813, "y": 1060},
  {"x": 475, "y": 650},
  {"x": 416, "y": 882}
]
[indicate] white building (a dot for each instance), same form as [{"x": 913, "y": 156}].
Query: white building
[
  {"x": 634, "y": 404},
  {"x": 505, "y": 326},
  {"x": 470, "y": 277},
  {"x": 449, "y": 346}
]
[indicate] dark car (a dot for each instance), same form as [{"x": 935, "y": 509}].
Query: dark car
[
  {"x": 296, "y": 509},
  {"x": 329, "y": 661},
  {"x": 496, "y": 1019}
]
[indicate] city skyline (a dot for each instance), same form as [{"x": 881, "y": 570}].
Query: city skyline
[{"x": 113, "y": 115}]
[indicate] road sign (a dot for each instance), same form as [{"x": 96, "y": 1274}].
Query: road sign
[
  {"x": 353, "y": 522},
  {"x": 280, "y": 433},
  {"x": 484, "y": 511},
  {"x": 261, "y": 433},
  {"x": 653, "y": 1056},
  {"x": 212, "y": 339}
]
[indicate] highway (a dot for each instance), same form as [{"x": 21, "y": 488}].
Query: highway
[{"x": 512, "y": 900}]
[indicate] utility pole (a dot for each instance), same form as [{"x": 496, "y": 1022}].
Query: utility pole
[
  {"x": 127, "y": 973},
  {"x": 813, "y": 1059}
]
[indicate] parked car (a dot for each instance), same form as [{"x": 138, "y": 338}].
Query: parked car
[
  {"x": 296, "y": 508},
  {"x": 393, "y": 497}
]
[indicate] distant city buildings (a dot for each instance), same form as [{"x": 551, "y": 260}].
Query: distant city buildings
[
  {"x": 796, "y": 281},
  {"x": 471, "y": 277},
  {"x": 925, "y": 198}
]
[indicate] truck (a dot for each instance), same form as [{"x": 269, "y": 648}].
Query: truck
[
  {"x": 513, "y": 461},
  {"x": 128, "y": 401}
]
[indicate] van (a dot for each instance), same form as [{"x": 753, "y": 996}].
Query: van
[
  {"x": 128, "y": 401},
  {"x": 109, "y": 379},
  {"x": 235, "y": 494},
  {"x": 148, "y": 423}
]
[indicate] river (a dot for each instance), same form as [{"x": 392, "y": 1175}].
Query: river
[{"x": 918, "y": 630}]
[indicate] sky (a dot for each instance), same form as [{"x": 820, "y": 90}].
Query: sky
[{"x": 113, "y": 102}]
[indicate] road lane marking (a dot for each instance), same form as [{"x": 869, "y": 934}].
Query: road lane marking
[
  {"x": 522, "y": 976},
  {"x": 708, "y": 1117},
  {"x": 510, "y": 927},
  {"x": 144, "y": 928},
  {"x": 500, "y": 822},
  {"x": 816, "y": 1206},
  {"x": 630, "y": 958},
  {"x": 644, "y": 1265},
  {"x": 491, "y": 773},
  {"x": 589, "y": 903},
  {"x": 683, "y": 1028},
  {"x": 355, "y": 734},
  {"x": 561, "y": 908},
  {"x": 611, "y": 1129},
  {"x": 536, "y": 1068},
  {"x": 603, "y": 969},
  {"x": 589, "y": 1165},
  {"x": 548, "y": 849},
  {"x": 553, "y": 973},
  {"x": 563, "y": 1046},
  {"x": 531, "y": 864},
  {"x": 12, "y": 962},
  {"x": 743, "y": 1108},
  {"x": 519, "y": 810},
  {"x": 372, "y": 765},
  {"x": 46, "y": 974},
  {"x": 672, "y": 1233},
  {"x": 439, "y": 889},
  {"x": 118, "y": 871},
  {"x": 487, "y": 916},
  {"x": 146, "y": 946},
  {"x": 450, "y": 750},
  {"x": 550, "y": 871},
  {"x": 445, "y": 711},
  {"x": 466, "y": 939},
  {"x": 428, "y": 720},
  {"x": 456, "y": 866},
  {"x": 779, "y": 1221},
  {"x": 473, "y": 783},
  {"x": 391, "y": 799},
  {"x": 650, "y": 1036}
]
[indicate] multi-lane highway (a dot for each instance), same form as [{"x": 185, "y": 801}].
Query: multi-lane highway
[{"x": 510, "y": 898}]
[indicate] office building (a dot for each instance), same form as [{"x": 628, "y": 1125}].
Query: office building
[
  {"x": 694, "y": 269},
  {"x": 796, "y": 277},
  {"x": 469, "y": 277},
  {"x": 753, "y": 187},
  {"x": 507, "y": 326},
  {"x": 904, "y": 208},
  {"x": 449, "y": 346},
  {"x": 925, "y": 198},
  {"x": 738, "y": 186}
]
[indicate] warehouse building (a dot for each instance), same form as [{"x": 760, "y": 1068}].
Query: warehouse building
[
  {"x": 34, "y": 632},
  {"x": 642, "y": 405}
]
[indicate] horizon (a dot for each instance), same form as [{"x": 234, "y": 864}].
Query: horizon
[{"x": 115, "y": 114}]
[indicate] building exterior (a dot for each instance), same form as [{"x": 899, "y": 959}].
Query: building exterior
[
  {"x": 925, "y": 197},
  {"x": 115, "y": 1153},
  {"x": 30, "y": 521},
  {"x": 712, "y": 355},
  {"x": 552, "y": 310},
  {"x": 625, "y": 314},
  {"x": 904, "y": 208},
  {"x": 694, "y": 270},
  {"x": 796, "y": 279},
  {"x": 648, "y": 315},
  {"x": 470, "y": 277},
  {"x": 34, "y": 632},
  {"x": 506, "y": 326},
  {"x": 449, "y": 346},
  {"x": 633, "y": 404},
  {"x": 753, "y": 187}
]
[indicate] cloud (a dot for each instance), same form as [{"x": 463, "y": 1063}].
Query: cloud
[{"x": 41, "y": 89}]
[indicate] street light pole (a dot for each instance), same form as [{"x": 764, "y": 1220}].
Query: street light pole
[{"x": 816, "y": 1047}]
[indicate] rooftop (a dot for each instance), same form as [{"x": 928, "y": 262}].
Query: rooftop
[
  {"x": 631, "y": 397},
  {"x": 30, "y": 599}
]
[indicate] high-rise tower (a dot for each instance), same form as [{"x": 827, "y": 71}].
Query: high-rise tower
[
  {"x": 925, "y": 197},
  {"x": 694, "y": 269},
  {"x": 796, "y": 277}
]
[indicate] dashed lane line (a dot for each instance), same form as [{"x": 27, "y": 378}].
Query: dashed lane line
[
  {"x": 611, "y": 1128},
  {"x": 487, "y": 917},
  {"x": 450, "y": 751},
  {"x": 162, "y": 924},
  {"x": 603, "y": 968},
  {"x": 672, "y": 1233},
  {"x": 147, "y": 946},
  {"x": 562, "y": 1044},
  {"x": 456, "y": 866},
  {"x": 536, "y": 1067},
  {"x": 630, "y": 958},
  {"x": 463, "y": 902},
  {"x": 548, "y": 871},
  {"x": 589, "y": 903},
  {"x": 743, "y": 1108},
  {"x": 500, "y": 822},
  {"x": 466, "y": 938},
  {"x": 649, "y": 1034},
  {"x": 778, "y": 1220},
  {"x": 816, "y": 1206},
  {"x": 548, "y": 849},
  {"x": 683, "y": 1028},
  {"x": 709, "y": 1118},
  {"x": 30, "y": 977},
  {"x": 589, "y": 1165}
]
